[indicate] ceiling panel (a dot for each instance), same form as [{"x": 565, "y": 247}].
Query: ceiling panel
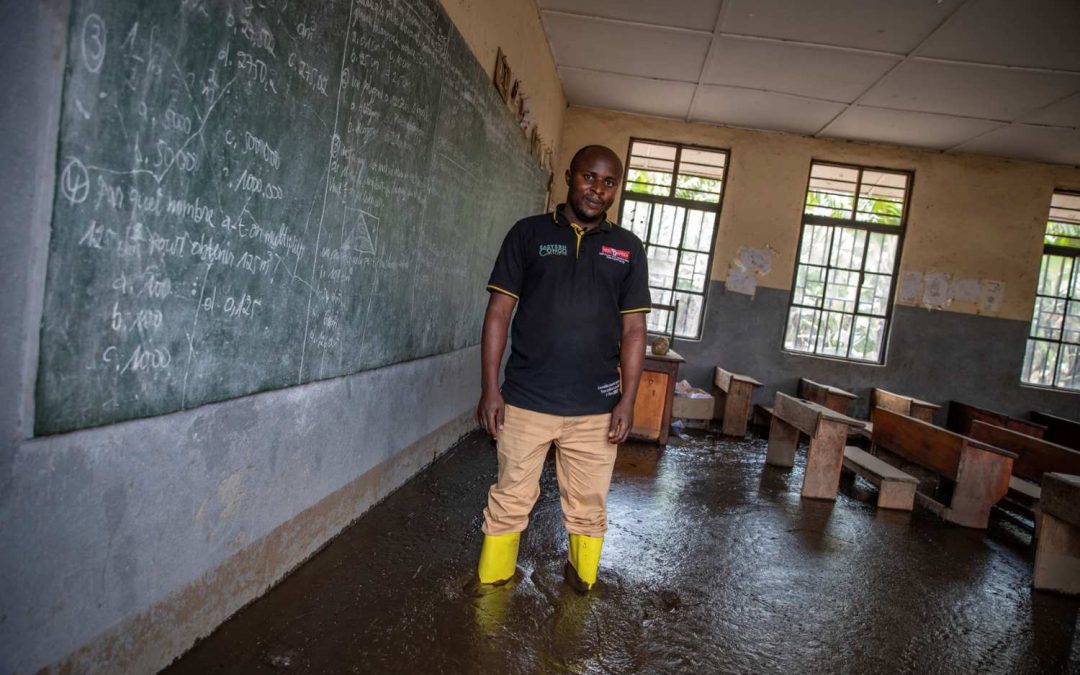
[
  {"x": 1065, "y": 112},
  {"x": 762, "y": 110},
  {"x": 629, "y": 94},
  {"x": 921, "y": 130},
  {"x": 596, "y": 44},
  {"x": 973, "y": 91},
  {"x": 699, "y": 14},
  {"x": 1045, "y": 144},
  {"x": 1039, "y": 33},
  {"x": 818, "y": 72},
  {"x": 886, "y": 25}
]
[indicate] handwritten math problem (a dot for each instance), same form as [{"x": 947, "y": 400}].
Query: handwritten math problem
[{"x": 263, "y": 193}]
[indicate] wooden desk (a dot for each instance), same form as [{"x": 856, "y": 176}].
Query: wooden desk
[
  {"x": 827, "y": 430},
  {"x": 833, "y": 398},
  {"x": 733, "y": 393},
  {"x": 652, "y": 407}
]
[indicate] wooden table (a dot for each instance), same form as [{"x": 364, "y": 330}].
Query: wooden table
[
  {"x": 827, "y": 430},
  {"x": 652, "y": 407}
]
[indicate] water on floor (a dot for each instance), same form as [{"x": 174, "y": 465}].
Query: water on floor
[{"x": 712, "y": 564}]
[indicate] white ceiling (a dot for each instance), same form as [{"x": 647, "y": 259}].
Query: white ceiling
[{"x": 996, "y": 77}]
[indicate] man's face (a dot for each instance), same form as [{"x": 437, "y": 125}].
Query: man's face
[{"x": 593, "y": 183}]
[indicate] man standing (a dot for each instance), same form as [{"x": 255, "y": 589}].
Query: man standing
[{"x": 580, "y": 284}]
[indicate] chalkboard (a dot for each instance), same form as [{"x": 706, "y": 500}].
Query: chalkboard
[{"x": 260, "y": 193}]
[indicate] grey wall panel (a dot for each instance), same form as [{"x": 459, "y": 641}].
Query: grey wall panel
[
  {"x": 935, "y": 356},
  {"x": 106, "y": 522}
]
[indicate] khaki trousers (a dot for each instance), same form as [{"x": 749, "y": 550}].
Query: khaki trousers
[{"x": 584, "y": 460}]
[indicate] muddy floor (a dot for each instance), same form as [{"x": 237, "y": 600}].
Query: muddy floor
[{"x": 712, "y": 564}]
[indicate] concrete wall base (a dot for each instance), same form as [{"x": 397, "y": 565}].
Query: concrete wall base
[{"x": 154, "y": 638}]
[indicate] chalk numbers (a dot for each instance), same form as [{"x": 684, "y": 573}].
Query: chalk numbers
[
  {"x": 93, "y": 43},
  {"x": 74, "y": 182}
]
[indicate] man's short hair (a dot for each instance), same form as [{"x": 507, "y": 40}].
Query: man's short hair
[{"x": 577, "y": 155}]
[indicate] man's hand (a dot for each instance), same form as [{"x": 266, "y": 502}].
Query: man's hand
[
  {"x": 621, "y": 419},
  {"x": 491, "y": 411}
]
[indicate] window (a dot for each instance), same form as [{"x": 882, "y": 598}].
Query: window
[
  {"x": 1052, "y": 357},
  {"x": 853, "y": 221},
  {"x": 671, "y": 200}
]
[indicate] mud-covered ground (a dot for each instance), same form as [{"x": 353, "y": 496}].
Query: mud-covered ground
[{"x": 712, "y": 564}]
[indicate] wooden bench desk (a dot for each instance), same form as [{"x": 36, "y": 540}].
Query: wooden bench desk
[
  {"x": 733, "y": 393},
  {"x": 1035, "y": 457},
  {"x": 652, "y": 407},
  {"x": 1058, "y": 429},
  {"x": 962, "y": 415},
  {"x": 827, "y": 430},
  {"x": 905, "y": 405},
  {"x": 1057, "y": 557},
  {"x": 896, "y": 489},
  {"x": 980, "y": 471},
  {"x": 898, "y": 403},
  {"x": 832, "y": 398}
]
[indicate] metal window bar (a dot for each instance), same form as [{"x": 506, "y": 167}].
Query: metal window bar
[
  {"x": 642, "y": 162},
  {"x": 819, "y": 322}
]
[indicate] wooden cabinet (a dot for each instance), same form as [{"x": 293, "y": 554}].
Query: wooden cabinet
[{"x": 652, "y": 407}]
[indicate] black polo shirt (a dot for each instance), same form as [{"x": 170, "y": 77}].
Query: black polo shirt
[{"x": 572, "y": 289}]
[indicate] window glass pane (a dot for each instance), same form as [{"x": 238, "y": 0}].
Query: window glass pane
[
  {"x": 1055, "y": 275},
  {"x": 835, "y": 335},
  {"x": 840, "y": 291},
  {"x": 1048, "y": 318},
  {"x": 809, "y": 286},
  {"x": 648, "y": 182},
  {"x": 1070, "y": 331},
  {"x": 659, "y": 320},
  {"x": 1063, "y": 226},
  {"x": 690, "y": 314},
  {"x": 693, "y": 272},
  {"x": 815, "y": 244},
  {"x": 1068, "y": 375},
  {"x": 867, "y": 338},
  {"x": 801, "y": 329},
  {"x": 1040, "y": 362},
  {"x": 667, "y": 225},
  {"x": 874, "y": 294},
  {"x": 704, "y": 163},
  {"x": 662, "y": 267},
  {"x": 636, "y": 218},
  {"x": 698, "y": 235},
  {"x": 881, "y": 197},
  {"x": 697, "y": 189},
  {"x": 847, "y": 248},
  {"x": 881, "y": 252}
]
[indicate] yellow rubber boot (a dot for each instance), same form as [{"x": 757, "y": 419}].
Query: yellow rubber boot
[
  {"x": 498, "y": 557},
  {"x": 584, "y": 560}
]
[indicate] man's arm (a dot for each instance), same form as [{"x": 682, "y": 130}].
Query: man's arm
[
  {"x": 491, "y": 409},
  {"x": 631, "y": 362}
]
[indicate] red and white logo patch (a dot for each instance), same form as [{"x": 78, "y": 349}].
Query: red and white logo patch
[{"x": 617, "y": 254}]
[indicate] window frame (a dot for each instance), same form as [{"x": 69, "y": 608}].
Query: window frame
[
  {"x": 671, "y": 200},
  {"x": 1062, "y": 251},
  {"x": 899, "y": 230}
]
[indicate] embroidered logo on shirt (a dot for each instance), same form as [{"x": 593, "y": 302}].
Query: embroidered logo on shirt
[
  {"x": 553, "y": 249},
  {"x": 616, "y": 254}
]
